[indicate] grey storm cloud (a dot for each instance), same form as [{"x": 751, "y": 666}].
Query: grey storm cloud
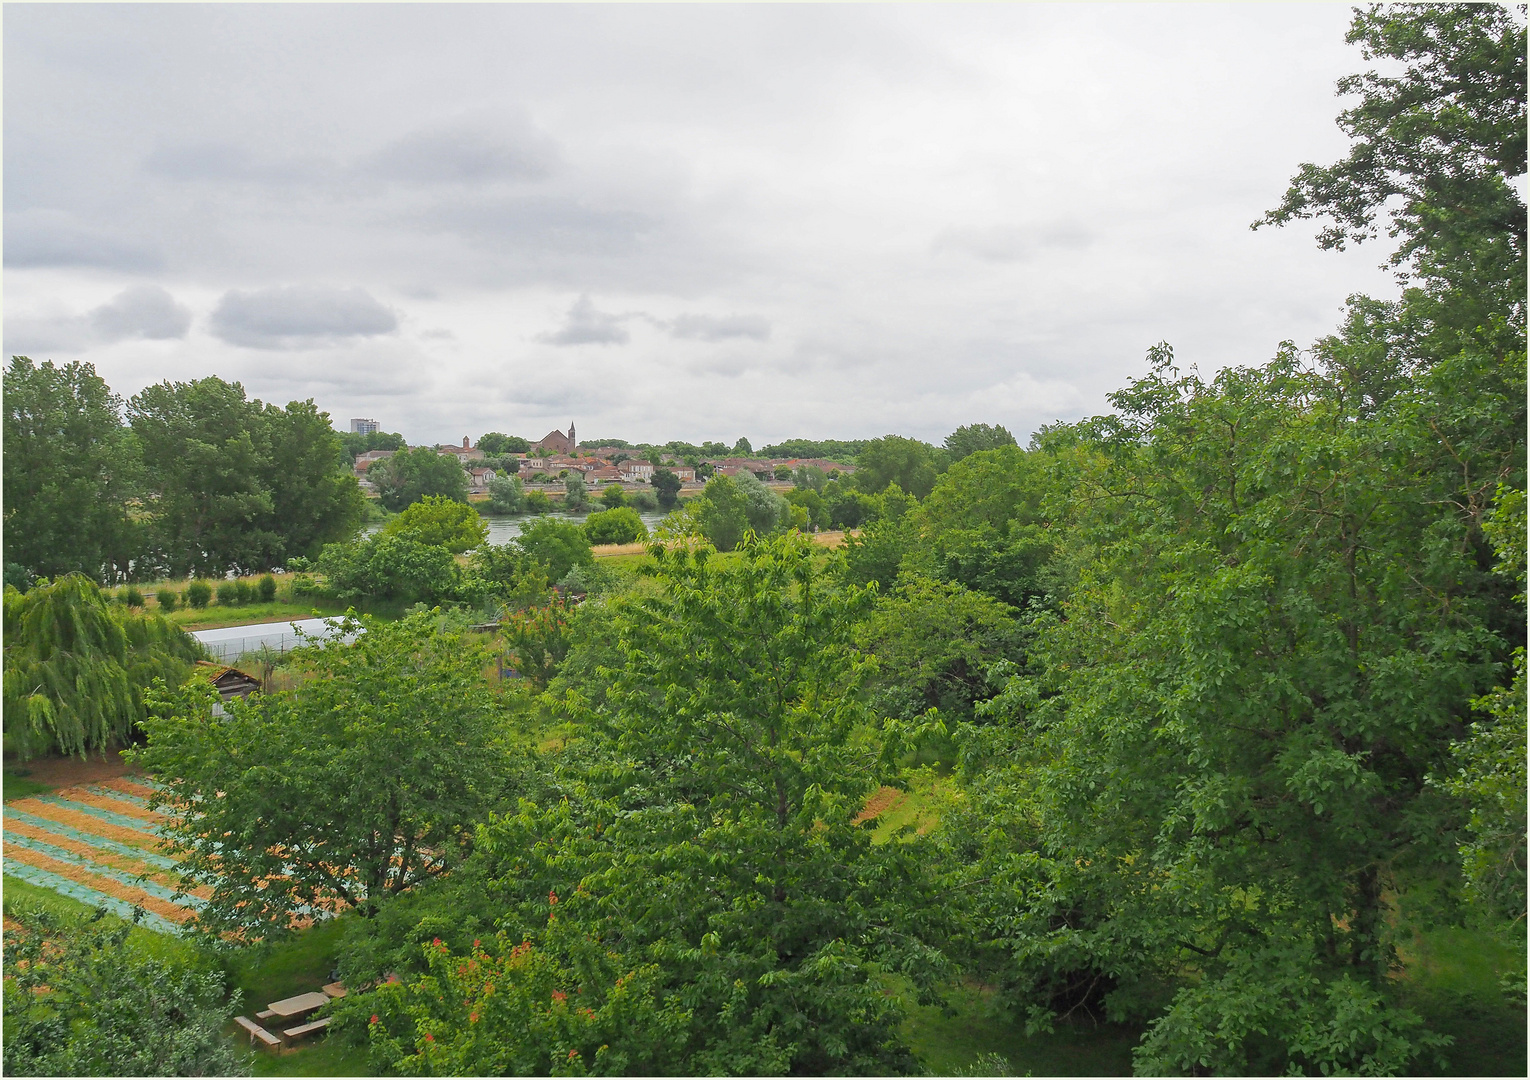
[
  {"x": 41, "y": 237},
  {"x": 297, "y": 316},
  {"x": 465, "y": 153},
  {"x": 720, "y": 328},
  {"x": 137, "y": 312},
  {"x": 586, "y": 326},
  {"x": 221, "y": 162},
  {"x": 143, "y": 311}
]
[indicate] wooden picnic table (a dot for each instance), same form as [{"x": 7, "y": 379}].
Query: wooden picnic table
[{"x": 297, "y": 1006}]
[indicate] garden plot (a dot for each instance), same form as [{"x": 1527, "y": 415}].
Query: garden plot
[{"x": 98, "y": 843}]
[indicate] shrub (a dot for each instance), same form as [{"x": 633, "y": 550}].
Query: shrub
[
  {"x": 613, "y": 496},
  {"x": 198, "y": 594},
  {"x": 438, "y": 521},
  {"x": 243, "y": 592},
  {"x": 537, "y": 502},
  {"x": 619, "y": 526},
  {"x": 643, "y": 500},
  {"x": 168, "y": 598},
  {"x": 266, "y": 589},
  {"x": 132, "y": 597},
  {"x": 557, "y": 545},
  {"x": 228, "y": 594}
]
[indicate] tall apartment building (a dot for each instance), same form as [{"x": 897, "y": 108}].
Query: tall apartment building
[{"x": 364, "y": 427}]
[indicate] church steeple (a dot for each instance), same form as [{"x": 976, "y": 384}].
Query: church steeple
[{"x": 573, "y": 442}]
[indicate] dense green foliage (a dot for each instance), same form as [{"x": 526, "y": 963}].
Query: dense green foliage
[
  {"x": 507, "y": 495},
  {"x": 70, "y": 470},
  {"x": 697, "y": 900},
  {"x": 235, "y": 484},
  {"x": 410, "y": 475},
  {"x": 845, "y": 450},
  {"x": 77, "y": 667},
  {"x": 439, "y": 521},
  {"x": 1196, "y": 712},
  {"x": 970, "y": 438},
  {"x": 81, "y": 999},
  {"x": 619, "y": 526},
  {"x": 496, "y": 444},
  {"x": 361, "y": 783}
]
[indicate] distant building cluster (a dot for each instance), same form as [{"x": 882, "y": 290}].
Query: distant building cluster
[
  {"x": 557, "y": 455},
  {"x": 364, "y": 427}
]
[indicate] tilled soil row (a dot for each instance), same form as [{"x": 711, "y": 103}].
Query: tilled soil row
[
  {"x": 116, "y": 806},
  {"x": 106, "y": 858},
  {"x": 127, "y": 786},
  {"x": 78, "y": 819},
  {"x": 109, "y": 886}
]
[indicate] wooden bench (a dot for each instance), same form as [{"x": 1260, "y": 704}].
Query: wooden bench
[
  {"x": 265, "y": 1014},
  {"x": 308, "y": 1028},
  {"x": 257, "y": 1032}
]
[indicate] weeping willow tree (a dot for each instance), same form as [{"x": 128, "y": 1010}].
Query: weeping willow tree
[{"x": 76, "y": 667}]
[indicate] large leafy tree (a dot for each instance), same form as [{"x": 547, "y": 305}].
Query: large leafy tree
[
  {"x": 312, "y": 502},
  {"x": 696, "y": 899},
  {"x": 410, "y": 475},
  {"x": 1437, "y": 149},
  {"x": 1276, "y": 634},
  {"x": 82, "y": 998},
  {"x": 893, "y": 459},
  {"x": 362, "y": 783},
  {"x": 970, "y": 438},
  {"x": 77, "y": 667},
  {"x": 236, "y": 484},
  {"x": 204, "y": 448},
  {"x": 71, "y": 469}
]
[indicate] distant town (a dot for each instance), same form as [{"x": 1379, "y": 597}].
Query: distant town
[{"x": 558, "y": 455}]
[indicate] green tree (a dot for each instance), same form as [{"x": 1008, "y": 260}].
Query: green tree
[
  {"x": 1237, "y": 713},
  {"x": 496, "y": 444},
  {"x": 1438, "y": 148},
  {"x": 410, "y": 475},
  {"x": 764, "y": 509},
  {"x": 507, "y": 495},
  {"x": 722, "y": 512},
  {"x": 619, "y": 526},
  {"x": 312, "y": 502},
  {"x": 204, "y": 449},
  {"x": 77, "y": 667},
  {"x": 702, "y": 903},
  {"x": 613, "y": 496},
  {"x": 742, "y": 448},
  {"x": 557, "y": 545},
  {"x": 893, "y": 459},
  {"x": 667, "y": 486},
  {"x": 538, "y": 502},
  {"x": 574, "y": 494},
  {"x": 236, "y": 484},
  {"x": 970, "y": 438},
  {"x": 365, "y": 781},
  {"x": 83, "y": 999},
  {"x": 353, "y": 444},
  {"x": 70, "y": 469},
  {"x": 440, "y": 521},
  {"x": 935, "y": 642},
  {"x": 383, "y": 567}
]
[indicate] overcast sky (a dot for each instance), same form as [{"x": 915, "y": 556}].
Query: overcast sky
[{"x": 688, "y": 221}]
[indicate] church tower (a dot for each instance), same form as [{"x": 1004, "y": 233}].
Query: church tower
[{"x": 573, "y": 443}]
